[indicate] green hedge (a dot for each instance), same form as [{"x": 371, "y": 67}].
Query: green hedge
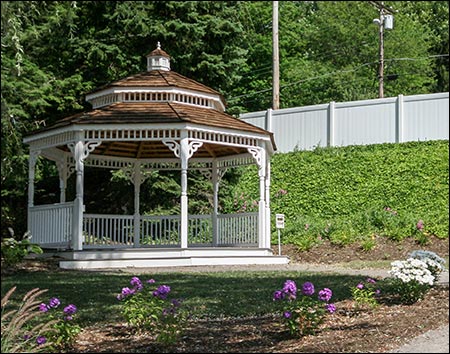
[{"x": 357, "y": 192}]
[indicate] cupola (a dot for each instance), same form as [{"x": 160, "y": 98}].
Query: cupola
[{"x": 158, "y": 59}]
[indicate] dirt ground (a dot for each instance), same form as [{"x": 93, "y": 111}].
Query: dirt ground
[
  {"x": 384, "y": 250},
  {"x": 347, "y": 331}
]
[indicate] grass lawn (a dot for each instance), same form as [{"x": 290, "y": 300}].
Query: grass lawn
[{"x": 207, "y": 295}]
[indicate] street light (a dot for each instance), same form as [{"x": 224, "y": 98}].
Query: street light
[{"x": 386, "y": 21}]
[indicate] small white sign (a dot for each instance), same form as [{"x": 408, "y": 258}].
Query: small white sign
[{"x": 280, "y": 221}]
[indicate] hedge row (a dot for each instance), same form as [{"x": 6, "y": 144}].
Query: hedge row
[{"x": 351, "y": 190}]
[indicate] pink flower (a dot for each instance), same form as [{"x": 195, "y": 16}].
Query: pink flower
[{"x": 420, "y": 225}]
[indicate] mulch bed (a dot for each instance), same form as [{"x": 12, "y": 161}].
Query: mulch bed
[{"x": 348, "y": 330}]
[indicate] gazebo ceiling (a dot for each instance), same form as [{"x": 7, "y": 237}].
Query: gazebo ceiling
[{"x": 155, "y": 149}]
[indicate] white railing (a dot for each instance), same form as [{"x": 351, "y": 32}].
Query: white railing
[
  {"x": 164, "y": 231},
  {"x": 51, "y": 224},
  {"x": 108, "y": 230},
  {"x": 238, "y": 229},
  {"x": 200, "y": 230},
  {"x": 160, "y": 230}
]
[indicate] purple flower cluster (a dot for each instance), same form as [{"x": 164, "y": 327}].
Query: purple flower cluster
[
  {"x": 44, "y": 307},
  {"x": 331, "y": 308},
  {"x": 162, "y": 292},
  {"x": 136, "y": 286},
  {"x": 53, "y": 303},
  {"x": 308, "y": 288},
  {"x": 136, "y": 283},
  {"x": 69, "y": 310},
  {"x": 41, "y": 340},
  {"x": 325, "y": 294},
  {"x": 289, "y": 292}
]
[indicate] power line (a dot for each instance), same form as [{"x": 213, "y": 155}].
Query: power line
[{"x": 338, "y": 72}]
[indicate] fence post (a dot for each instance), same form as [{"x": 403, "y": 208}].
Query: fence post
[
  {"x": 399, "y": 120},
  {"x": 268, "y": 122},
  {"x": 331, "y": 114}
]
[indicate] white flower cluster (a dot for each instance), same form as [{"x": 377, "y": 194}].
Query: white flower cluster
[
  {"x": 412, "y": 270},
  {"x": 434, "y": 262}
]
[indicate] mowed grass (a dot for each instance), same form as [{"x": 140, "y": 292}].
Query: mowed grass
[{"x": 207, "y": 295}]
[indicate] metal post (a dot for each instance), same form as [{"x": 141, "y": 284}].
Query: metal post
[{"x": 279, "y": 242}]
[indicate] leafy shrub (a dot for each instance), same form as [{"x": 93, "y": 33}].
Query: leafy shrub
[
  {"x": 353, "y": 185},
  {"x": 365, "y": 293},
  {"x": 148, "y": 309},
  {"x": 14, "y": 251},
  {"x": 64, "y": 329},
  {"x": 303, "y": 313}
]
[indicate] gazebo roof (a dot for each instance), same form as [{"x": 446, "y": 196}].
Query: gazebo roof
[
  {"x": 158, "y": 78},
  {"x": 158, "y": 100}
]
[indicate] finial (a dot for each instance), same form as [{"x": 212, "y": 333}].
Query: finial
[{"x": 158, "y": 45}]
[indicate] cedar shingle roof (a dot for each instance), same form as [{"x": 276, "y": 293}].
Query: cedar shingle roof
[
  {"x": 157, "y": 112},
  {"x": 158, "y": 52},
  {"x": 160, "y": 78}
]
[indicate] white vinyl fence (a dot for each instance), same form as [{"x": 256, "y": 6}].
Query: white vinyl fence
[{"x": 385, "y": 120}]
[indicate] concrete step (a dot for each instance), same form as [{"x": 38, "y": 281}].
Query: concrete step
[{"x": 103, "y": 263}]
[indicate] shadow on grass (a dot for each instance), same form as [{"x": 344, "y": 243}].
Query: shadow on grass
[{"x": 207, "y": 295}]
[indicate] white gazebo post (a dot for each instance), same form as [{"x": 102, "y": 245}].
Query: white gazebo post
[
  {"x": 184, "y": 156},
  {"x": 80, "y": 151},
  {"x": 34, "y": 154},
  {"x": 137, "y": 181},
  {"x": 267, "y": 183},
  {"x": 184, "y": 150},
  {"x": 77, "y": 219},
  {"x": 262, "y": 204},
  {"x": 259, "y": 154},
  {"x": 215, "y": 185}
]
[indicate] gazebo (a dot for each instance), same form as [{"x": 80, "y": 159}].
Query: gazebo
[{"x": 155, "y": 120}]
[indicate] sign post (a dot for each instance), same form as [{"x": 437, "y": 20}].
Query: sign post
[{"x": 280, "y": 225}]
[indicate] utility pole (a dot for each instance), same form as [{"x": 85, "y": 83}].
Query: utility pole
[
  {"x": 275, "y": 58},
  {"x": 381, "y": 50},
  {"x": 384, "y": 22}
]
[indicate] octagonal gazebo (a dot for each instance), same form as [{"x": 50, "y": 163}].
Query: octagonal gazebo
[{"x": 155, "y": 120}]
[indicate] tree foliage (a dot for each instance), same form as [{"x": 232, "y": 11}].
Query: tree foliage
[{"x": 54, "y": 52}]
